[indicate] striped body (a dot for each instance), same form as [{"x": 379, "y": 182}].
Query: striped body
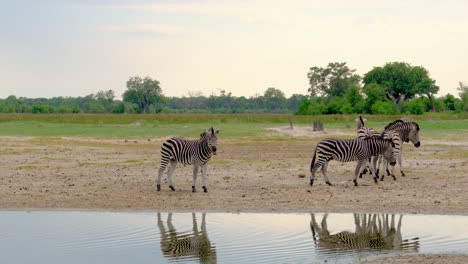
[
  {"x": 349, "y": 150},
  {"x": 187, "y": 152},
  {"x": 408, "y": 131}
]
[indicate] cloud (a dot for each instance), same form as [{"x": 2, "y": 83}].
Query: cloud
[{"x": 165, "y": 29}]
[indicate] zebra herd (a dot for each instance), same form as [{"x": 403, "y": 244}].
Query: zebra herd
[{"x": 367, "y": 149}]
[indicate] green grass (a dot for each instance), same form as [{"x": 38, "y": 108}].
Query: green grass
[{"x": 191, "y": 125}]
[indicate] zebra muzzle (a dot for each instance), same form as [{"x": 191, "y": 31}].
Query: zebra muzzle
[
  {"x": 214, "y": 150},
  {"x": 417, "y": 144}
]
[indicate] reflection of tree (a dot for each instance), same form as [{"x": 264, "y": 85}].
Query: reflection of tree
[
  {"x": 195, "y": 244},
  {"x": 373, "y": 231}
]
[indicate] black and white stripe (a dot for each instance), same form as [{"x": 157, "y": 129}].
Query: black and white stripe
[
  {"x": 178, "y": 246},
  {"x": 408, "y": 131},
  {"x": 188, "y": 152},
  {"x": 346, "y": 150}
]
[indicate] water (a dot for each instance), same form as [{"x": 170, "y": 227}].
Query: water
[{"x": 148, "y": 237}]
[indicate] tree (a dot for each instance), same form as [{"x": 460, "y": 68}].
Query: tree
[
  {"x": 106, "y": 99},
  {"x": 334, "y": 80},
  {"x": 401, "y": 81},
  {"x": 143, "y": 92},
  {"x": 274, "y": 99},
  {"x": 425, "y": 85},
  {"x": 462, "y": 89},
  {"x": 463, "y": 93}
]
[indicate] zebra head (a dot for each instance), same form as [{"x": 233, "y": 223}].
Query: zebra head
[
  {"x": 211, "y": 138},
  {"x": 413, "y": 134},
  {"x": 391, "y": 140}
]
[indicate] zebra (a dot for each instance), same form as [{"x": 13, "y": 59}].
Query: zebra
[
  {"x": 346, "y": 150},
  {"x": 188, "y": 152},
  {"x": 180, "y": 245},
  {"x": 408, "y": 131},
  {"x": 372, "y": 231}
]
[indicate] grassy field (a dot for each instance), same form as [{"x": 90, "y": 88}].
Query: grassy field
[{"x": 190, "y": 125}]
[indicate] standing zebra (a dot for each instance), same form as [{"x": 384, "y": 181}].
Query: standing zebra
[
  {"x": 188, "y": 152},
  {"x": 349, "y": 150},
  {"x": 408, "y": 131}
]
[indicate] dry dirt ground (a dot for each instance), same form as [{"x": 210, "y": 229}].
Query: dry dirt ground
[{"x": 268, "y": 174}]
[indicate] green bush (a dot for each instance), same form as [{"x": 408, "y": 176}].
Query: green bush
[
  {"x": 384, "y": 108},
  {"x": 415, "y": 107}
]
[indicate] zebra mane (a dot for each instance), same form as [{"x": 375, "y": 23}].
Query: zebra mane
[
  {"x": 416, "y": 125},
  {"x": 399, "y": 121}
]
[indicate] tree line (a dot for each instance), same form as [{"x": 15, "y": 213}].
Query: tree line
[{"x": 336, "y": 89}]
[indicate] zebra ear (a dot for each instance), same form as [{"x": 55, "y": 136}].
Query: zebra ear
[
  {"x": 212, "y": 131},
  {"x": 217, "y": 131}
]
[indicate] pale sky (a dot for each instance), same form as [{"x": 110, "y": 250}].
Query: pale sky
[{"x": 74, "y": 48}]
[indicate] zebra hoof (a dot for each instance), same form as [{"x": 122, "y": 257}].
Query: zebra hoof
[
  {"x": 376, "y": 179},
  {"x": 403, "y": 174},
  {"x": 158, "y": 187},
  {"x": 172, "y": 188},
  {"x": 355, "y": 183},
  {"x": 205, "y": 189},
  {"x": 311, "y": 182},
  {"x": 381, "y": 179},
  {"x": 394, "y": 178},
  {"x": 193, "y": 189},
  {"x": 388, "y": 173},
  {"x": 360, "y": 175},
  {"x": 329, "y": 184}
]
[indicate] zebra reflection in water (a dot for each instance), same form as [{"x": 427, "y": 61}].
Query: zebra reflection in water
[
  {"x": 373, "y": 231},
  {"x": 195, "y": 245}
]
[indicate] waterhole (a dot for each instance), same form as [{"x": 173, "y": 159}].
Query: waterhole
[{"x": 152, "y": 237}]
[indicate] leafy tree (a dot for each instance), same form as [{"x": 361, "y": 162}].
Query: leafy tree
[
  {"x": 462, "y": 89},
  {"x": 401, "y": 81},
  {"x": 355, "y": 101},
  {"x": 274, "y": 99},
  {"x": 463, "y": 93},
  {"x": 333, "y": 80},
  {"x": 143, "y": 92},
  {"x": 375, "y": 93},
  {"x": 425, "y": 85},
  {"x": 106, "y": 99}
]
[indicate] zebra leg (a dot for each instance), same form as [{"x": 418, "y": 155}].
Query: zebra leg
[
  {"x": 399, "y": 161},
  {"x": 158, "y": 183},
  {"x": 171, "y": 169},
  {"x": 356, "y": 171},
  {"x": 380, "y": 157},
  {"x": 160, "y": 173},
  {"x": 314, "y": 168},
  {"x": 324, "y": 172},
  {"x": 203, "y": 170},
  {"x": 364, "y": 170},
  {"x": 393, "y": 173},
  {"x": 195, "y": 172},
  {"x": 373, "y": 169}
]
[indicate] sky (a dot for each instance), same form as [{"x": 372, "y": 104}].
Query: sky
[{"x": 75, "y": 48}]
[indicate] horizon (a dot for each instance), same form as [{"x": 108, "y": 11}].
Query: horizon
[{"x": 189, "y": 46}]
